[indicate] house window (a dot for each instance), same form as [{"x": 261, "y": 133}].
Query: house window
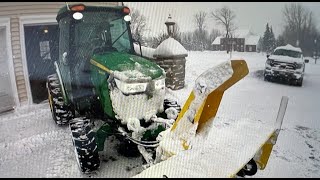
[
  {"x": 250, "y": 48},
  {"x": 45, "y": 50}
]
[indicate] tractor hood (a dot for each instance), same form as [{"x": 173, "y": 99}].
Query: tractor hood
[{"x": 129, "y": 67}]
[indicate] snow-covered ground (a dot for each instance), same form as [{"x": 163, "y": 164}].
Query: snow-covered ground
[{"x": 31, "y": 145}]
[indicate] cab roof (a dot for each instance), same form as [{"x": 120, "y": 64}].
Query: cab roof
[{"x": 64, "y": 10}]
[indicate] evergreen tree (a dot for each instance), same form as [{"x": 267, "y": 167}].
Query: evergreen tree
[
  {"x": 273, "y": 42},
  {"x": 269, "y": 41},
  {"x": 265, "y": 39},
  {"x": 280, "y": 41},
  {"x": 260, "y": 44}
]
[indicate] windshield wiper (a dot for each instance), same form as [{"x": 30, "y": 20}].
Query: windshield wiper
[{"x": 119, "y": 36}]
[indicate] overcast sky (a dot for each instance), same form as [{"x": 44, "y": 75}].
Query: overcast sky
[{"x": 252, "y": 15}]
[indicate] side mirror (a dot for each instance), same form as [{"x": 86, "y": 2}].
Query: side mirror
[
  {"x": 65, "y": 58},
  {"x": 268, "y": 55},
  {"x": 306, "y": 60}
]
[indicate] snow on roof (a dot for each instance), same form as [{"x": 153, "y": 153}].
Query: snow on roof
[
  {"x": 170, "y": 47},
  {"x": 252, "y": 40},
  {"x": 241, "y": 33},
  {"x": 146, "y": 51},
  {"x": 289, "y": 47},
  {"x": 216, "y": 41}
]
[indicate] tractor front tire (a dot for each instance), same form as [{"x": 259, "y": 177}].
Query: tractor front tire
[
  {"x": 249, "y": 169},
  {"x": 61, "y": 113},
  {"x": 86, "y": 149},
  {"x": 168, "y": 103}
]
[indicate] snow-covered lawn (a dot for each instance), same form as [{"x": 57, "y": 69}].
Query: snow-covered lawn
[{"x": 31, "y": 145}]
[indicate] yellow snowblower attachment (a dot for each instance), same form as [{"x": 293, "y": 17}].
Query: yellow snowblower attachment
[
  {"x": 210, "y": 106},
  {"x": 210, "y": 101},
  {"x": 195, "y": 121}
]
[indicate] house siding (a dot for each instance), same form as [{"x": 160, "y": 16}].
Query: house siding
[{"x": 16, "y": 10}]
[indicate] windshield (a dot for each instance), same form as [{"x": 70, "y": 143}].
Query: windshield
[
  {"x": 284, "y": 52},
  {"x": 98, "y": 32}
]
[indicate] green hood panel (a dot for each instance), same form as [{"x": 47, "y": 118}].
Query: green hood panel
[{"x": 119, "y": 61}]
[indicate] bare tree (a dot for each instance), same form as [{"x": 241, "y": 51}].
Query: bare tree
[
  {"x": 225, "y": 17},
  {"x": 138, "y": 25},
  {"x": 200, "y": 19},
  {"x": 200, "y": 32},
  {"x": 300, "y": 27}
]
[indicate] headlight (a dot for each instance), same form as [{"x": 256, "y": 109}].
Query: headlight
[
  {"x": 159, "y": 84},
  {"x": 130, "y": 88},
  {"x": 270, "y": 62},
  {"x": 297, "y": 66}
]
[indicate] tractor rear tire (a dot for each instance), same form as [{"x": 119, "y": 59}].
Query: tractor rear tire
[
  {"x": 61, "y": 113},
  {"x": 86, "y": 149}
]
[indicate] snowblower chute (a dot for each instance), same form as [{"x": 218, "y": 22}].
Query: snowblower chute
[{"x": 228, "y": 153}]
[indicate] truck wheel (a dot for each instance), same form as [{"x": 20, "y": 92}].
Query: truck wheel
[
  {"x": 85, "y": 146},
  {"x": 299, "y": 82},
  {"x": 61, "y": 113},
  {"x": 266, "y": 78}
]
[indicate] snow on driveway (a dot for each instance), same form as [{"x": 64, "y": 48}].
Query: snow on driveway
[{"x": 31, "y": 145}]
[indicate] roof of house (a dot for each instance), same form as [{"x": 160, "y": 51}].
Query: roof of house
[
  {"x": 216, "y": 41},
  {"x": 252, "y": 40}
]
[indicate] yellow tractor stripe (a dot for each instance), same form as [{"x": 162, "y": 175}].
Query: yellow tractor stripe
[{"x": 95, "y": 63}]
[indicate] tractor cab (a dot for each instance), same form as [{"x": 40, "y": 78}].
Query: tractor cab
[
  {"x": 94, "y": 29},
  {"x": 99, "y": 76},
  {"x": 86, "y": 31}
]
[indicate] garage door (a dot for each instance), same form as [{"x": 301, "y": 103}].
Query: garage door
[{"x": 6, "y": 94}]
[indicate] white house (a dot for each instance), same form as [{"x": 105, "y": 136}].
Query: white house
[{"x": 243, "y": 40}]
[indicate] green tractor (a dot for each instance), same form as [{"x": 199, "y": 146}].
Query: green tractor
[{"x": 102, "y": 87}]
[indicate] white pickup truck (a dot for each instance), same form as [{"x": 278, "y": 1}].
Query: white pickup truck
[{"x": 286, "y": 63}]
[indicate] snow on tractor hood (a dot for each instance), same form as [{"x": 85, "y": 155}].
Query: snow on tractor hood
[{"x": 130, "y": 68}]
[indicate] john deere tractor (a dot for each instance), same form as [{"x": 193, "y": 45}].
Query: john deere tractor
[{"x": 100, "y": 78}]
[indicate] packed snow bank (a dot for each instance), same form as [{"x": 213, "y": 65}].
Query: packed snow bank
[{"x": 170, "y": 47}]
